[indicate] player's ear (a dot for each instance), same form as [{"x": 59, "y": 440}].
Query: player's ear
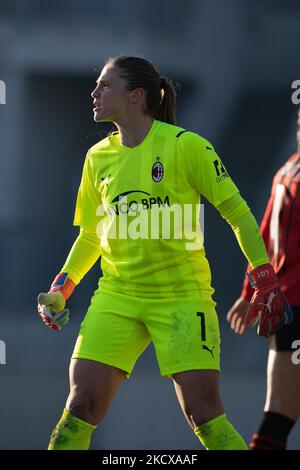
[{"x": 137, "y": 95}]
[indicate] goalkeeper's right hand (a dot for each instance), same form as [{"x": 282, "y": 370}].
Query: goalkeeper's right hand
[
  {"x": 52, "y": 311},
  {"x": 51, "y": 305}
]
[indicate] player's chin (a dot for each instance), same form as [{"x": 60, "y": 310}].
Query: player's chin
[{"x": 98, "y": 117}]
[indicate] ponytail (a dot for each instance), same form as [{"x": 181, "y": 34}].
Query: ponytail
[{"x": 167, "y": 106}]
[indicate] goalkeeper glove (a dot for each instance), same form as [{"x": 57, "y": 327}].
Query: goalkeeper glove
[
  {"x": 268, "y": 307},
  {"x": 51, "y": 305}
]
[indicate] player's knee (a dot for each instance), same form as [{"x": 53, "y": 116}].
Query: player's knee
[
  {"x": 82, "y": 404},
  {"x": 203, "y": 409}
]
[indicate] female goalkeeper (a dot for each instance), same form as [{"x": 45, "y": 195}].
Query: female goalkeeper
[
  {"x": 281, "y": 232},
  {"x": 138, "y": 208}
]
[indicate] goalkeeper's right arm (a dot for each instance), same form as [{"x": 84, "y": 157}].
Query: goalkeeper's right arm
[{"x": 83, "y": 255}]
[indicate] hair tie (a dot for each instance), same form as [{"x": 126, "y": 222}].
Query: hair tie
[{"x": 162, "y": 82}]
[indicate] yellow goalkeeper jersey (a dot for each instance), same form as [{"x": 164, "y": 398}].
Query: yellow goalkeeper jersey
[{"x": 144, "y": 204}]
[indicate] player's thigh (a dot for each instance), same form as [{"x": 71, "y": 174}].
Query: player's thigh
[
  {"x": 283, "y": 384},
  {"x": 94, "y": 375},
  {"x": 93, "y": 383},
  {"x": 185, "y": 334},
  {"x": 283, "y": 374},
  {"x": 112, "y": 333}
]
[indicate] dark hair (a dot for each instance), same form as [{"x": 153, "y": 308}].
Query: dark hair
[{"x": 160, "y": 91}]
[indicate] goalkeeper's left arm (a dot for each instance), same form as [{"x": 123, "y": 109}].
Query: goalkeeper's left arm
[
  {"x": 83, "y": 255},
  {"x": 268, "y": 305}
]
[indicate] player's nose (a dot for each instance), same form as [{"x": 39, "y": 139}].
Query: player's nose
[{"x": 95, "y": 93}]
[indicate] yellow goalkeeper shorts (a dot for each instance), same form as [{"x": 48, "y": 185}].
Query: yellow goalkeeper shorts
[{"x": 118, "y": 328}]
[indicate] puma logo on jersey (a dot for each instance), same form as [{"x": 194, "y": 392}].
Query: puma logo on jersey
[
  {"x": 105, "y": 180},
  {"x": 209, "y": 350}
]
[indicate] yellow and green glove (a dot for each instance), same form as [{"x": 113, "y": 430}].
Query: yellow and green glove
[{"x": 51, "y": 305}]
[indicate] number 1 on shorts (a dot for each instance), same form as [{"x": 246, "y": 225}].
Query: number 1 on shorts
[{"x": 203, "y": 332}]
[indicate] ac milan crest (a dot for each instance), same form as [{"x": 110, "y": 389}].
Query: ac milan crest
[{"x": 157, "y": 172}]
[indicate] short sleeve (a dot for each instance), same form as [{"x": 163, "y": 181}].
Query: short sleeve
[
  {"x": 205, "y": 170},
  {"x": 88, "y": 199}
]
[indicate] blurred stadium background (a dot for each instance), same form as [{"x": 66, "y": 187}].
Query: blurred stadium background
[{"x": 235, "y": 61}]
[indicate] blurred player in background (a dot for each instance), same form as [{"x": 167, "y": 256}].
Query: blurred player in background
[
  {"x": 155, "y": 286},
  {"x": 281, "y": 232}
]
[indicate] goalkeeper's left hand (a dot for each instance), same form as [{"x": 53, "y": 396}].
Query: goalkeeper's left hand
[{"x": 268, "y": 308}]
